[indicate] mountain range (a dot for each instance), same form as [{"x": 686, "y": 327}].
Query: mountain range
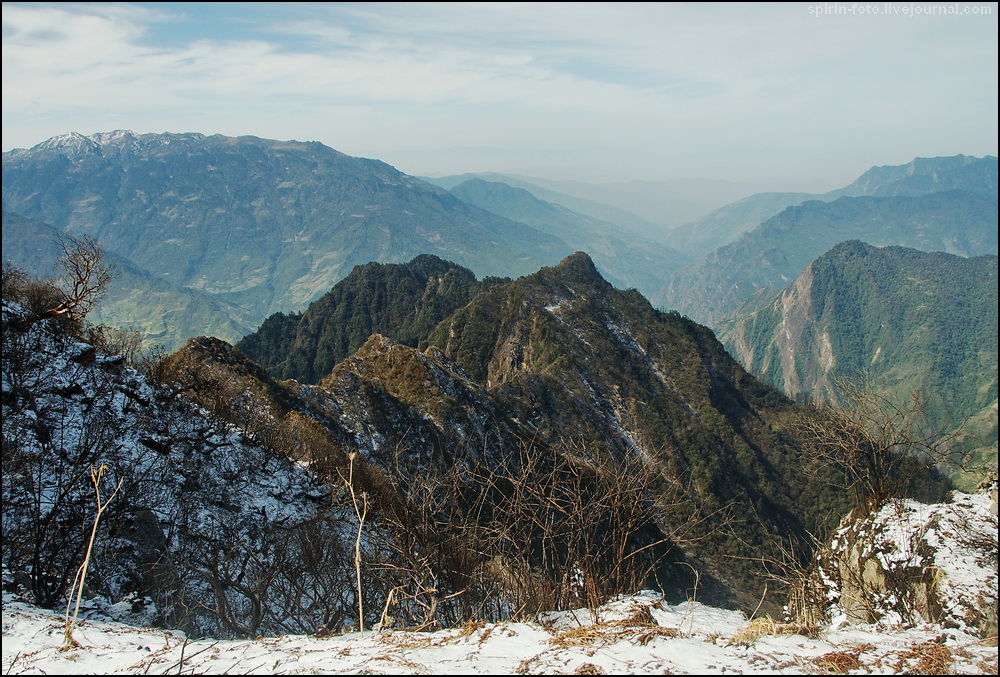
[
  {"x": 218, "y": 233},
  {"x": 438, "y": 380},
  {"x": 264, "y": 225},
  {"x": 919, "y": 177}
]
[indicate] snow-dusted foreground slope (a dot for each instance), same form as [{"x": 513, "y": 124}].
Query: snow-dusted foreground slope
[
  {"x": 910, "y": 562},
  {"x": 637, "y": 635}
]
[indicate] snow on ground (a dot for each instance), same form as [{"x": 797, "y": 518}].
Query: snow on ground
[{"x": 632, "y": 635}]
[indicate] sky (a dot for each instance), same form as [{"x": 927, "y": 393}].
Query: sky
[{"x": 791, "y": 96}]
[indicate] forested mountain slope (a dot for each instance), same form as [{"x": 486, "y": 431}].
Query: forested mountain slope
[{"x": 906, "y": 319}]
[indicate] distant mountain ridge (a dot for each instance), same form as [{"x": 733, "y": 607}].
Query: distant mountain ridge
[
  {"x": 265, "y": 225},
  {"x": 777, "y": 251},
  {"x": 588, "y": 207},
  {"x": 625, "y": 259},
  {"x": 918, "y": 177},
  {"x": 927, "y": 175}
]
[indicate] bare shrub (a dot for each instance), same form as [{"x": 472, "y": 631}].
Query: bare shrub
[
  {"x": 578, "y": 529},
  {"x": 880, "y": 443},
  {"x": 85, "y": 280}
]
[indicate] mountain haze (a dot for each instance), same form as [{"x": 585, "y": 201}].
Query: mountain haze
[
  {"x": 919, "y": 177},
  {"x": 775, "y": 253},
  {"x": 581, "y": 205},
  {"x": 625, "y": 260},
  {"x": 650, "y": 208}
]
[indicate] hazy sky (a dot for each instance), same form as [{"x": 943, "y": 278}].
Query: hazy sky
[{"x": 791, "y": 93}]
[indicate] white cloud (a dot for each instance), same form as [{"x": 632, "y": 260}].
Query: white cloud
[{"x": 680, "y": 80}]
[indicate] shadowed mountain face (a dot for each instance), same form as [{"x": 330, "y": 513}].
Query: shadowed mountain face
[
  {"x": 909, "y": 319},
  {"x": 404, "y": 301},
  {"x": 562, "y": 358},
  {"x": 265, "y": 225}
]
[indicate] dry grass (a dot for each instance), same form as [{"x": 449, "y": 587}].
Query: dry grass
[
  {"x": 471, "y": 627},
  {"x": 413, "y": 639},
  {"x": 526, "y": 666},
  {"x": 407, "y": 640},
  {"x": 987, "y": 668},
  {"x": 838, "y": 662},
  {"x": 588, "y": 669},
  {"x": 639, "y": 627},
  {"x": 932, "y": 659},
  {"x": 640, "y": 616},
  {"x": 417, "y": 668},
  {"x": 766, "y": 625},
  {"x": 585, "y": 635}
]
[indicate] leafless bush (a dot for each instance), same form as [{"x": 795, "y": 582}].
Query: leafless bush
[
  {"x": 880, "y": 443},
  {"x": 85, "y": 280},
  {"x": 580, "y": 527},
  {"x": 114, "y": 341},
  {"x": 540, "y": 529},
  {"x": 36, "y": 295}
]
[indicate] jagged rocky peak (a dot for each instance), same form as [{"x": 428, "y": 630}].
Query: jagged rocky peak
[
  {"x": 214, "y": 348},
  {"x": 377, "y": 344},
  {"x": 394, "y": 363},
  {"x": 577, "y": 268},
  {"x": 72, "y": 142},
  {"x": 209, "y": 362},
  {"x": 117, "y": 137},
  {"x": 112, "y": 143}
]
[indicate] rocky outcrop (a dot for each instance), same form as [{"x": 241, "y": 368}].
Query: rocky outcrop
[{"x": 910, "y": 563}]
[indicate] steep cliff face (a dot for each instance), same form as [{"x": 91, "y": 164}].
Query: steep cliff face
[
  {"x": 909, "y": 319},
  {"x": 782, "y": 345}
]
